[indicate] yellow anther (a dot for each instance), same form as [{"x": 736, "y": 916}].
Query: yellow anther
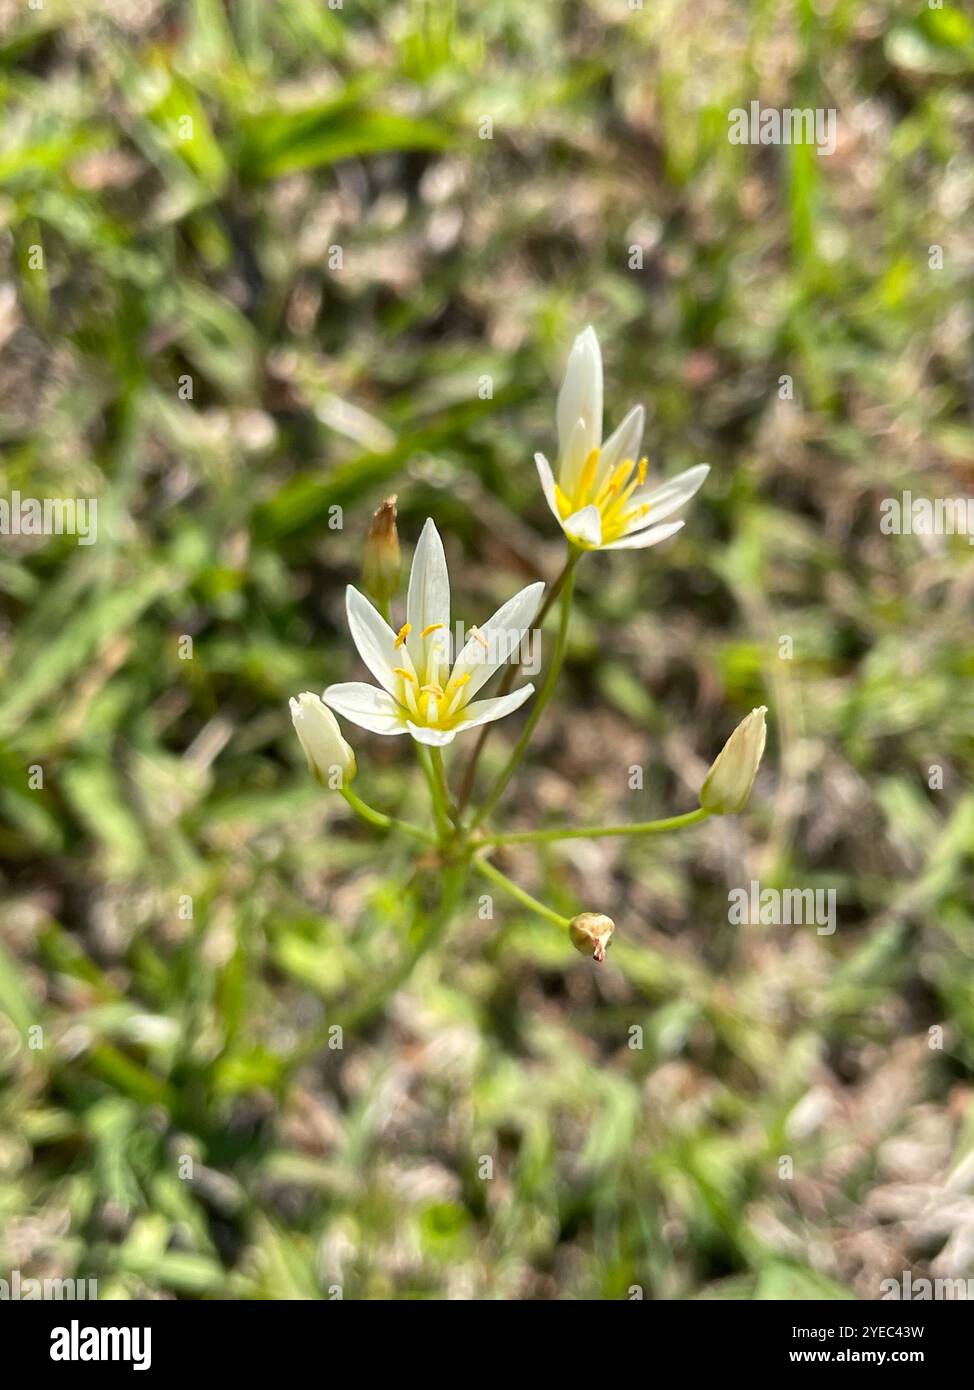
[
  {"x": 432, "y": 689},
  {"x": 588, "y": 475},
  {"x": 619, "y": 475},
  {"x": 457, "y": 681},
  {"x": 641, "y": 474},
  {"x": 402, "y": 634},
  {"x": 433, "y": 627},
  {"x": 406, "y": 675}
]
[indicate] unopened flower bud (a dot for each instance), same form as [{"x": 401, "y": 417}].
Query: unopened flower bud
[
  {"x": 381, "y": 561},
  {"x": 591, "y": 933},
  {"x": 729, "y": 781},
  {"x": 330, "y": 759}
]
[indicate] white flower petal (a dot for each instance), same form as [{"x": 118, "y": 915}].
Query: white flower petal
[
  {"x": 364, "y": 705},
  {"x": 668, "y": 497},
  {"x": 502, "y": 633},
  {"x": 638, "y": 540},
  {"x": 486, "y": 711},
  {"x": 547, "y": 484},
  {"x": 585, "y": 525},
  {"x": 374, "y": 638},
  {"x": 580, "y": 396},
  {"x": 428, "y": 596},
  {"x": 437, "y": 738},
  {"x": 622, "y": 444},
  {"x": 571, "y": 459}
]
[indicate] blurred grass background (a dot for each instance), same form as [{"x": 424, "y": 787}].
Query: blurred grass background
[{"x": 202, "y": 258}]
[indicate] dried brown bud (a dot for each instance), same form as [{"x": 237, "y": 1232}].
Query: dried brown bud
[
  {"x": 381, "y": 562},
  {"x": 591, "y": 933}
]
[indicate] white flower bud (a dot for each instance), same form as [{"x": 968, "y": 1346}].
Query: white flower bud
[
  {"x": 330, "y": 759},
  {"x": 729, "y": 781}
]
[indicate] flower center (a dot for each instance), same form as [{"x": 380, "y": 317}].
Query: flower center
[
  {"x": 428, "y": 703},
  {"x": 610, "y": 494},
  {"x": 421, "y": 689}
]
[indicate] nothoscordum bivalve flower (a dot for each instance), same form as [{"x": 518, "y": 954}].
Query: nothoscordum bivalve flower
[
  {"x": 381, "y": 561},
  {"x": 421, "y": 694},
  {"x": 600, "y": 498},
  {"x": 591, "y": 933},
  {"x": 330, "y": 759},
  {"x": 731, "y": 778}
]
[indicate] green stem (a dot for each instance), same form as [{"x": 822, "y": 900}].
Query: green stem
[
  {"x": 540, "y": 700},
  {"x": 489, "y": 870},
  {"x": 439, "y": 772},
  {"x": 596, "y": 832},
  {"x": 441, "y": 812},
  {"x": 507, "y": 680},
  {"x": 384, "y": 822}
]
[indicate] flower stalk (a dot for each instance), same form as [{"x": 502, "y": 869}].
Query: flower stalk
[
  {"x": 507, "y": 680},
  {"x": 547, "y": 690},
  {"x": 595, "y": 832},
  {"x": 384, "y": 822},
  {"x": 439, "y": 797},
  {"x": 492, "y": 872}
]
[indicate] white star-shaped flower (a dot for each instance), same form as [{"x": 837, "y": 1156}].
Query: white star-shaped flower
[
  {"x": 600, "y": 499},
  {"x": 421, "y": 694}
]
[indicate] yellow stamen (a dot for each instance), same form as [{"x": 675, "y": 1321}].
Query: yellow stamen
[
  {"x": 619, "y": 475},
  {"x": 458, "y": 681},
  {"x": 641, "y": 474},
  {"x": 614, "y": 513},
  {"x": 564, "y": 503},
  {"x": 432, "y": 689},
  {"x": 406, "y": 675},
  {"x": 433, "y": 627},
  {"x": 635, "y": 514},
  {"x": 402, "y": 634},
  {"x": 588, "y": 477}
]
